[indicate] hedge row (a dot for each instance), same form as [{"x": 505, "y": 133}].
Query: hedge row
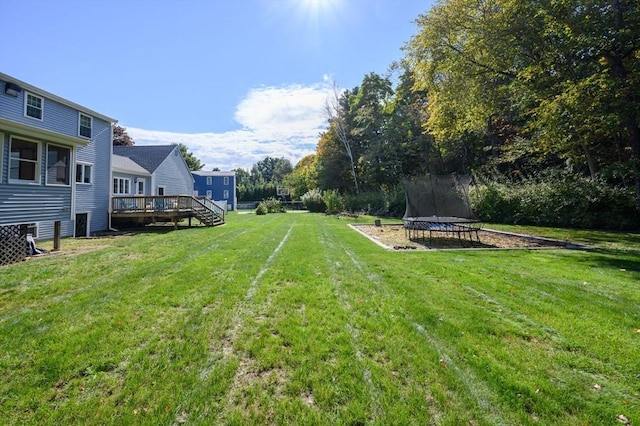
[{"x": 564, "y": 201}]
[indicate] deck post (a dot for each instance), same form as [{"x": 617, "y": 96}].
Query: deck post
[{"x": 56, "y": 235}]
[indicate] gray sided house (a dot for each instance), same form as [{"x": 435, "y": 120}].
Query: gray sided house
[
  {"x": 129, "y": 178},
  {"x": 55, "y": 162},
  {"x": 167, "y": 172}
]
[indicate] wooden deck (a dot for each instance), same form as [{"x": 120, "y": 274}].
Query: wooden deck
[{"x": 143, "y": 209}]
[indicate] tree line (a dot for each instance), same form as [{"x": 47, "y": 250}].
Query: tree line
[
  {"x": 523, "y": 94},
  {"x": 507, "y": 90}
]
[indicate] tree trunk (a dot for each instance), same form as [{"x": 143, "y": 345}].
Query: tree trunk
[
  {"x": 634, "y": 140},
  {"x": 593, "y": 167},
  {"x": 628, "y": 111}
]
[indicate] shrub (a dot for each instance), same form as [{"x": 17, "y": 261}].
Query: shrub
[
  {"x": 273, "y": 205},
  {"x": 313, "y": 201},
  {"x": 333, "y": 200},
  {"x": 385, "y": 202},
  {"x": 371, "y": 202},
  {"x": 261, "y": 209},
  {"x": 557, "y": 199},
  {"x": 493, "y": 203}
]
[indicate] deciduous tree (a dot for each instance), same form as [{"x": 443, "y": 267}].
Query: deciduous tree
[
  {"x": 193, "y": 163},
  {"x": 121, "y": 137}
]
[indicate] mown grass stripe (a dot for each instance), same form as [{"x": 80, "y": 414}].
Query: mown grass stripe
[
  {"x": 247, "y": 371},
  {"x": 332, "y": 334}
]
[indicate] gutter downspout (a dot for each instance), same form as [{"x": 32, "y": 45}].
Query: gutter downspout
[{"x": 110, "y": 186}]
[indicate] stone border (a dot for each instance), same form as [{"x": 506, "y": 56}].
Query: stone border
[{"x": 558, "y": 244}]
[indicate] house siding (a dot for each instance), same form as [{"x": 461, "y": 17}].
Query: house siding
[
  {"x": 217, "y": 186},
  {"x": 56, "y": 117},
  {"x": 33, "y": 203},
  {"x": 45, "y": 204},
  {"x": 93, "y": 198},
  {"x": 173, "y": 174}
]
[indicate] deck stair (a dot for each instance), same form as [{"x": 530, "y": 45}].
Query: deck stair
[{"x": 207, "y": 211}]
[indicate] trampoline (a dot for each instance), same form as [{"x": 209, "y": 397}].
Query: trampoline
[{"x": 439, "y": 205}]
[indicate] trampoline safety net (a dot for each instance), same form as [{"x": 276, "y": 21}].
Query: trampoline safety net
[{"x": 438, "y": 196}]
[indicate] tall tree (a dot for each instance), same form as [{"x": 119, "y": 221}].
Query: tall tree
[
  {"x": 242, "y": 176},
  {"x": 193, "y": 163},
  {"x": 304, "y": 176},
  {"x": 562, "y": 75},
  {"x": 336, "y": 109},
  {"x": 271, "y": 170},
  {"x": 334, "y": 169},
  {"x": 367, "y": 107},
  {"x": 413, "y": 149},
  {"x": 121, "y": 137}
]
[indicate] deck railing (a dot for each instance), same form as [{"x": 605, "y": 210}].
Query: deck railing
[
  {"x": 212, "y": 206},
  {"x": 150, "y": 204}
]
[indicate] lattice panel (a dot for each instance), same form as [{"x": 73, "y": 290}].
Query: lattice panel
[{"x": 13, "y": 244}]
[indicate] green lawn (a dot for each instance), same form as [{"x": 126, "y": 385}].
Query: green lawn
[{"x": 298, "y": 319}]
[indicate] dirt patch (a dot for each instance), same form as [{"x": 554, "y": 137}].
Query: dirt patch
[{"x": 395, "y": 237}]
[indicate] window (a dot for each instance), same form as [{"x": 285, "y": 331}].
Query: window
[
  {"x": 58, "y": 165},
  {"x": 33, "y": 106},
  {"x": 32, "y": 228},
  {"x": 209, "y": 180},
  {"x": 225, "y": 194},
  {"x": 83, "y": 173},
  {"x": 121, "y": 186},
  {"x": 226, "y": 180},
  {"x": 140, "y": 187},
  {"x": 210, "y": 195},
  {"x": 85, "y": 123},
  {"x": 24, "y": 161}
]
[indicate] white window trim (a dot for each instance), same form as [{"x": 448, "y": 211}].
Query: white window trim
[
  {"x": 119, "y": 179},
  {"x": 137, "y": 183},
  {"x": 26, "y": 97},
  {"x": 38, "y": 177},
  {"x": 226, "y": 180},
  {"x": 84, "y": 168},
  {"x": 209, "y": 180},
  {"x": 2, "y": 155},
  {"x": 164, "y": 188},
  {"x": 80, "y": 115},
  {"x": 34, "y": 225},
  {"x": 225, "y": 194},
  {"x": 70, "y": 165},
  {"x": 209, "y": 194}
]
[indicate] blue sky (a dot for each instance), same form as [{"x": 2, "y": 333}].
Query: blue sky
[{"x": 234, "y": 80}]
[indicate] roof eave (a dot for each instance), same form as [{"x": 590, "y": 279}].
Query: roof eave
[
  {"x": 38, "y": 133},
  {"x": 28, "y": 87}
]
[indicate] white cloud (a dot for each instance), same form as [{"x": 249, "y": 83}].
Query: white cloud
[{"x": 275, "y": 121}]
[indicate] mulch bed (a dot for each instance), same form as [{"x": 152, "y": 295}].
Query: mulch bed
[{"x": 395, "y": 237}]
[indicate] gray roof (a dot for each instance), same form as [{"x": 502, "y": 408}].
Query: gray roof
[
  {"x": 127, "y": 165},
  {"x": 147, "y": 156}
]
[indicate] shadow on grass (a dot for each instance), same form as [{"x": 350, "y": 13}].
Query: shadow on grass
[
  {"x": 148, "y": 229},
  {"x": 622, "y": 260},
  {"x": 603, "y": 239}
]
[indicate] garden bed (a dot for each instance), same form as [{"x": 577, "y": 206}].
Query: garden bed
[{"x": 394, "y": 237}]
